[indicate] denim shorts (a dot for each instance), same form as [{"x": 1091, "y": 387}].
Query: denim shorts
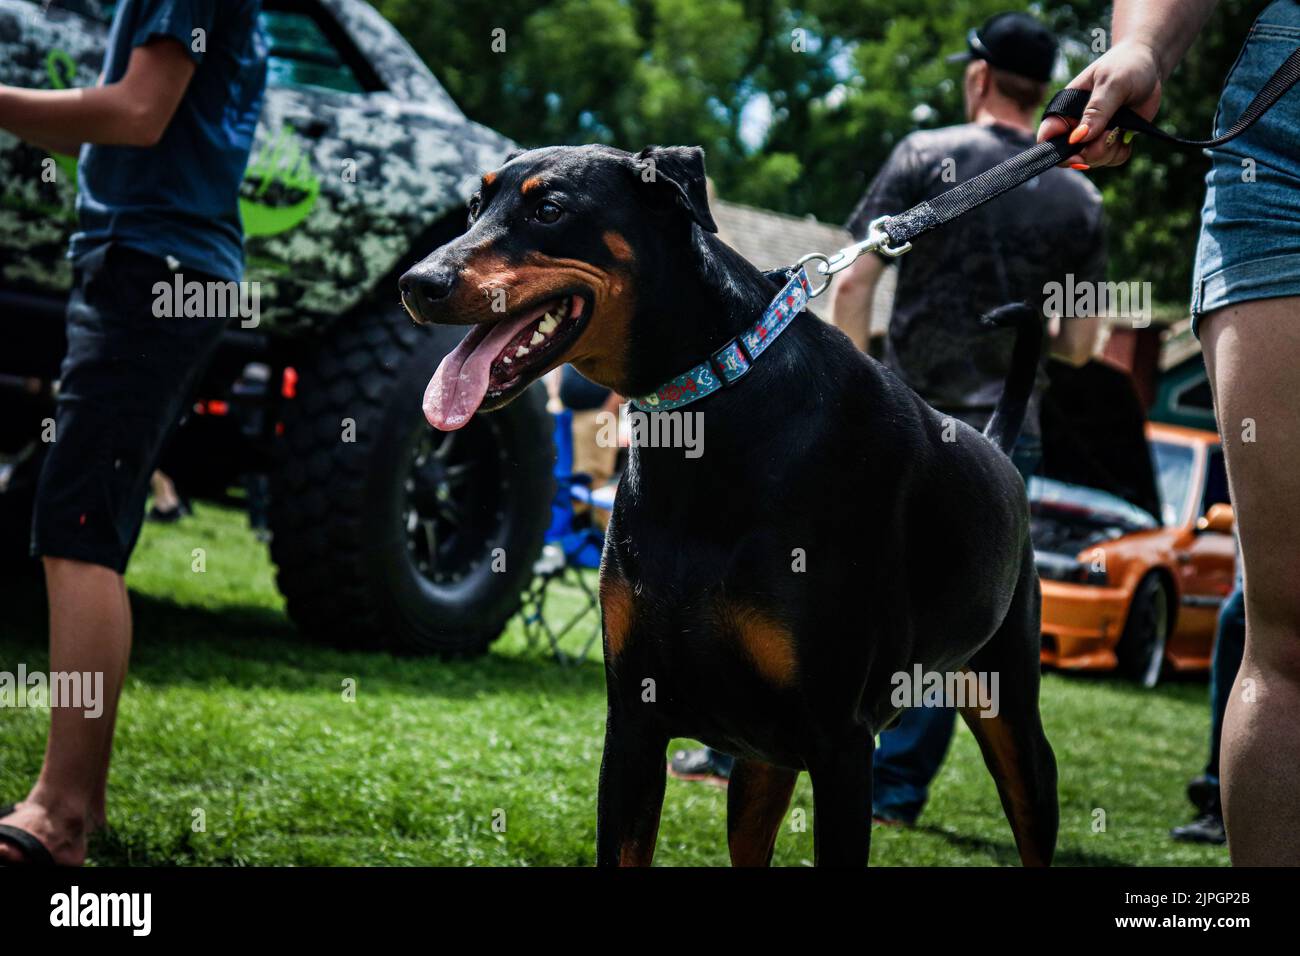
[
  {"x": 123, "y": 384},
  {"x": 1250, "y": 224}
]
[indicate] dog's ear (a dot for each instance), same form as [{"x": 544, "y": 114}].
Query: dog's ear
[{"x": 681, "y": 170}]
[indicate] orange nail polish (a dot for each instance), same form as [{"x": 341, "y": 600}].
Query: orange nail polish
[
  {"x": 1082, "y": 167},
  {"x": 1079, "y": 133}
]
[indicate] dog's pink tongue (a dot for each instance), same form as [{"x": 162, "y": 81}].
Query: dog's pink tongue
[{"x": 456, "y": 390}]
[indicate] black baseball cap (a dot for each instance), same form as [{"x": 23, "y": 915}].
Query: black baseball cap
[{"x": 1014, "y": 42}]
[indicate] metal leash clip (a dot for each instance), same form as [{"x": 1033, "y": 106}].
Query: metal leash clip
[{"x": 877, "y": 241}]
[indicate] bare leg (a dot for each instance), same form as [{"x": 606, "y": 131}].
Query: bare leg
[
  {"x": 90, "y": 631},
  {"x": 1252, "y": 352}
]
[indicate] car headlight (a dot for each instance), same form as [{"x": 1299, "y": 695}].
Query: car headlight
[{"x": 1060, "y": 567}]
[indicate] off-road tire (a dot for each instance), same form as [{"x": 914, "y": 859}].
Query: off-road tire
[
  {"x": 16, "y": 504},
  {"x": 348, "y": 560}
]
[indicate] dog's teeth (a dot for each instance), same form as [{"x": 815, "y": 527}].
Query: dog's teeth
[
  {"x": 506, "y": 359},
  {"x": 548, "y": 325},
  {"x": 521, "y": 352},
  {"x": 537, "y": 339}
]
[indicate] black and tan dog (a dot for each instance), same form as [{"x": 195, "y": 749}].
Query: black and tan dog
[{"x": 763, "y": 597}]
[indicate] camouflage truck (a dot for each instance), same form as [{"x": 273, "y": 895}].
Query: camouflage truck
[{"x": 385, "y": 534}]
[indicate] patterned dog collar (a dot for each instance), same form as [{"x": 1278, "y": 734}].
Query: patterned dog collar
[{"x": 730, "y": 363}]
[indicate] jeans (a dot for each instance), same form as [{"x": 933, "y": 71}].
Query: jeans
[{"x": 1250, "y": 223}]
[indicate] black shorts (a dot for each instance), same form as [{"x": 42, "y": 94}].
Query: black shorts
[{"x": 124, "y": 382}]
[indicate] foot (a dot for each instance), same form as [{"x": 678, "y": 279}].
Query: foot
[
  {"x": 701, "y": 764},
  {"x": 1207, "y": 828},
  {"x": 63, "y": 835}
]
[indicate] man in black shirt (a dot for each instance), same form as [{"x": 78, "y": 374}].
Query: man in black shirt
[{"x": 1011, "y": 250}]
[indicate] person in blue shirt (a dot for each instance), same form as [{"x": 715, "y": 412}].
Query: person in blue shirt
[{"x": 163, "y": 142}]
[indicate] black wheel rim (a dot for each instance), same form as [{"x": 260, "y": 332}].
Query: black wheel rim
[{"x": 455, "y": 493}]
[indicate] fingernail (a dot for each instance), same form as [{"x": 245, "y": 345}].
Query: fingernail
[
  {"x": 1128, "y": 137},
  {"x": 1082, "y": 167},
  {"x": 1079, "y": 133}
]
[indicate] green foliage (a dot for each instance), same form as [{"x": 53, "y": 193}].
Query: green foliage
[{"x": 842, "y": 82}]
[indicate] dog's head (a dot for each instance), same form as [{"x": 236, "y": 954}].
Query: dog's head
[{"x": 562, "y": 244}]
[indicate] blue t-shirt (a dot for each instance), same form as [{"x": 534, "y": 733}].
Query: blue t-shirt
[{"x": 180, "y": 198}]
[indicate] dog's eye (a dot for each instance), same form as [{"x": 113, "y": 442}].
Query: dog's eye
[
  {"x": 474, "y": 204},
  {"x": 548, "y": 212}
]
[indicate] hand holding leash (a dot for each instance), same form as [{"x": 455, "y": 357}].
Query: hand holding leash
[{"x": 1127, "y": 74}]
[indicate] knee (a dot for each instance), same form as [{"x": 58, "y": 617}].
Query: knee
[{"x": 1273, "y": 617}]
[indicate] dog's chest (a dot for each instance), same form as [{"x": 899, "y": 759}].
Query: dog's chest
[
  {"x": 709, "y": 667},
  {"x": 698, "y": 634}
]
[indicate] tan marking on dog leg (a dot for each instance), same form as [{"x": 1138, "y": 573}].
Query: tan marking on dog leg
[
  {"x": 1003, "y": 754},
  {"x": 767, "y": 642},
  {"x": 757, "y": 799},
  {"x": 616, "y": 612}
]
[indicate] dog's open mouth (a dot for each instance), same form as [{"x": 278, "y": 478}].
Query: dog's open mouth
[{"x": 497, "y": 359}]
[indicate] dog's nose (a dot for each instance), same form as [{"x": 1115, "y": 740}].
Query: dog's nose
[{"x": 423, "y": 288}]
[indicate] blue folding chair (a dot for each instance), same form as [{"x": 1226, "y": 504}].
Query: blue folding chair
[{"x": 572, "y": 548}]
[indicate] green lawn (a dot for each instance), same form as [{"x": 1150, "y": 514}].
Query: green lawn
[{"x": 227, "y": 712}]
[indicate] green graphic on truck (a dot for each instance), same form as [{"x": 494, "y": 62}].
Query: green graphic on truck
[{"x": 280, "y": 167}]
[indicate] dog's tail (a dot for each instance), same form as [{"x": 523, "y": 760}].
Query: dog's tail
[{"x": 1004, "y": 427}]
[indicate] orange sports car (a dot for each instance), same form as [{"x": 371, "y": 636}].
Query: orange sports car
[{"x": 1123, "y": 590}]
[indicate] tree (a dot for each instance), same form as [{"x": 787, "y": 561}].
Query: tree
[{"x": 797, "y": 106}]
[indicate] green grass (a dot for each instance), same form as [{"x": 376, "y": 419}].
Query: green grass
[{"x": 226, "y": 711}]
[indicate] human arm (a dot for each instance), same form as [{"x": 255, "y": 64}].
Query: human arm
[
  {"x": 854, "y": 290},
  {"x": 899, "y": 184},
  {"x": 134, "y": 111}
]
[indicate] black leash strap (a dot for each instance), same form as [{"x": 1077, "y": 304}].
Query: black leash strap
[{"x": 1035, "y": 161}]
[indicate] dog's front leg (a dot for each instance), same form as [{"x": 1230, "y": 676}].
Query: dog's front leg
[
  {"x": 631, "y": 795},
  {"x": 841, "y": 782}
]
